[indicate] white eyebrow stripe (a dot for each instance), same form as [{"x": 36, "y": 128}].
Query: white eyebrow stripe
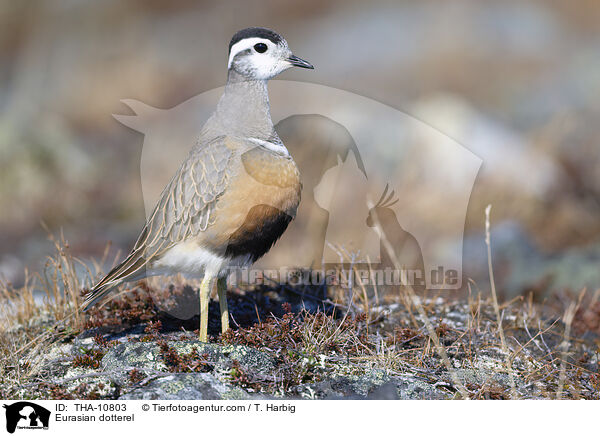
[
  {"x": 277, "y": 148},
  {"x": 245, "y": 44}
]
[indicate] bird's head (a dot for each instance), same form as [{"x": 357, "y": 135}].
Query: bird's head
[
  {"x": 257, "y": 53},
  {"x": 382, "y": 209}
]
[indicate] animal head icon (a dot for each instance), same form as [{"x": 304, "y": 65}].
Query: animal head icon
[{"x": 382, "y": 211}]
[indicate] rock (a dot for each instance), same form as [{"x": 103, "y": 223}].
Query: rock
[
  {"x": 376, "y": 385},
  {"x": 98, "y": 387},
  {"x": 194, "y": 386},
  {"x": 121, "y": 358},
  {"x": 411, "y": 388}
]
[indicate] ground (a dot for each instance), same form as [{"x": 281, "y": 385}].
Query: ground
[{"x": 298, "y": 342}]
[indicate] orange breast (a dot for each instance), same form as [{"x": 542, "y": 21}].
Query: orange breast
[{"x": 257, "y": 206}]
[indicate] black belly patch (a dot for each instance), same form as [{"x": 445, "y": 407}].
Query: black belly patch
[{"x": 262, "y": 227}]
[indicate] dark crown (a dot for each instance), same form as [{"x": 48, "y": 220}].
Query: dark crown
[{"x": 255, "y": 32}]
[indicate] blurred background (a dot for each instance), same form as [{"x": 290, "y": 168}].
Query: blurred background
[{"x": 516, "y": 82}]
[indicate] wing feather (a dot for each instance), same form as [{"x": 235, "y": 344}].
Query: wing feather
[{"x": 184, "y": 209}]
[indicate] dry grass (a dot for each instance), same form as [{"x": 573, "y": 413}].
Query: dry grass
[
  {"x": 495, "y": 302},
  {"x": 473, "y": 347},
  {"x": 41, "y": 312}
]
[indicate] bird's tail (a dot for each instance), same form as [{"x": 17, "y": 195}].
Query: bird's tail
[
  {"x": 97, "y": 294},
  {"x": 131, "y": 269}
]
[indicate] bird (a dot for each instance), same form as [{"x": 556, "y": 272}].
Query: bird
[
  {"x": 399, "y": 250},
  {"x": 234, "y": 194}
]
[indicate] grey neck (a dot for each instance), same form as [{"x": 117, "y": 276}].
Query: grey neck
[{"x": 243, "y": 110}]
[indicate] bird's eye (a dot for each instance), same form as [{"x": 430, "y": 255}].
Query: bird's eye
[{"x": 260, "y": 47}]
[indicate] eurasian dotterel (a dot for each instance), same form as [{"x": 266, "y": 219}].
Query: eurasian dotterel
[{"x": 235, "y": 193}]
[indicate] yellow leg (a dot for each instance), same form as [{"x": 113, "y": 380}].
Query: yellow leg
[
  {"x": 222, "y": 290},
  {"x": 204, "y": 296}
]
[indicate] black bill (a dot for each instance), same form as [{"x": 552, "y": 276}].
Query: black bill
[{"x": 297, "y": 62}]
